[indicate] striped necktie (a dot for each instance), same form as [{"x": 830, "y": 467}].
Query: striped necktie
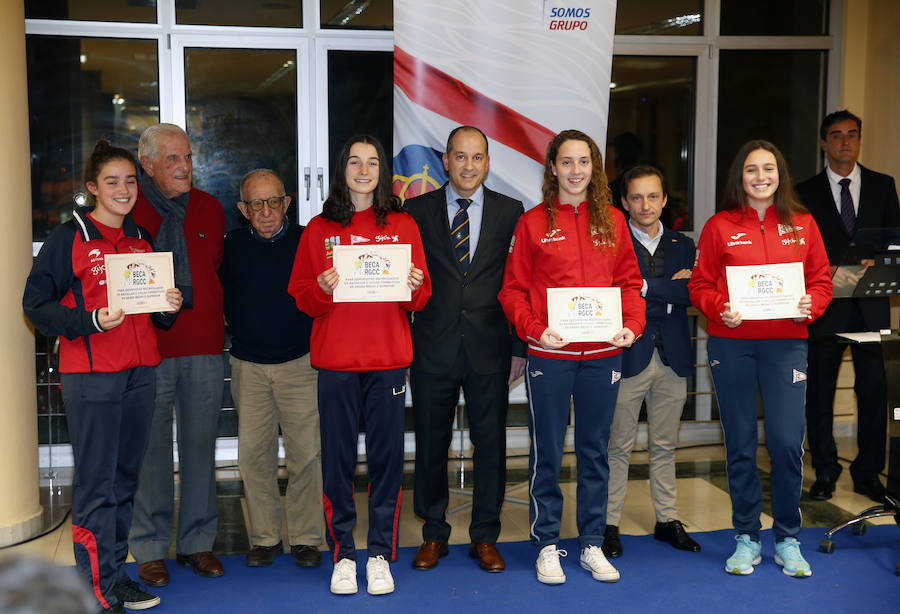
[
  {"x": 848, "y": 214},
  {"x": 459, "y": 233}
]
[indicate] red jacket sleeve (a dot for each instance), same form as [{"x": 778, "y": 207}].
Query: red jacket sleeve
[
  {"x": 817, "y": 272},
  {"x": 514, "y": 295},
  {"x": 707, "y": 270},
  {"x": 309, "y": 262}
]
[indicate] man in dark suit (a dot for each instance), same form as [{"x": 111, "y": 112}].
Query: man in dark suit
[
  {"x": 844, "y": 198},
  {"x": 462, "y": 338},
  {"x": 656, "y": 366}
]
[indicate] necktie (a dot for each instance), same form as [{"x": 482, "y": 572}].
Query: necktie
[
  {"x": 848, "y": 215},
  {"x": 459, "y": 233}
]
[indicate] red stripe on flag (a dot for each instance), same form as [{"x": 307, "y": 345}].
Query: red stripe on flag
[
  {"x": 437, "y": 91},
  {"x": 82, "y": 536}
]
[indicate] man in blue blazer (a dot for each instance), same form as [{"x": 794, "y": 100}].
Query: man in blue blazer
[
  {"x": 844, "y": 198},
  {"x": 462, "y": 339},
  {"x": 655, "y": 368}
]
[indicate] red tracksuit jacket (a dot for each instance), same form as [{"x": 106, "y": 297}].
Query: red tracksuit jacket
[
  {"x": 736, "y": 238},
  {"x": 567, "y": 257},
  {"x": 356, "y": 336}
]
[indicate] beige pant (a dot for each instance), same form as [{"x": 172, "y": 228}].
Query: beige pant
[
  {"x": 264, "y": 397},
  {"x": 665, "y": 393}
]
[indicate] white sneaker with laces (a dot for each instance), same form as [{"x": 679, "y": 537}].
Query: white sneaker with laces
[
  {"x": 593, "y": 559},
  {"x": 378, "y": 576},
  {"x": 549, "y": 571},
  {"x": 343, "y": 578}
]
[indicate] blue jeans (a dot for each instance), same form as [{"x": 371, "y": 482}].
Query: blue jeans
[
  {"x": 551, "y": 384},
  {"x": 191, "y": 387},
  {"x": 777, "y": 368}
]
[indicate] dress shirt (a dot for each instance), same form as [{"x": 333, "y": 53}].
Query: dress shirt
[
  {"x": 475, "y": 210},
  {"x": 834, "y": 182}
]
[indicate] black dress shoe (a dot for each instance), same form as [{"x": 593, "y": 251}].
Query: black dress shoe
[
  {"x": 822, "y": 488},
  {"x": 262, "y": 556},
  {"x": 873, "y": 489},
  {"x": 674, "y": 533},
  {"x": 612, "y": 545},
  {"x": 306, "y": 556}
]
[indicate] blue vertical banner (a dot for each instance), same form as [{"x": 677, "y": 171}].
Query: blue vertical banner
[{"x": 520, "y": 70}]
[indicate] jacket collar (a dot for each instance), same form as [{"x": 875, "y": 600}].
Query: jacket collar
[{"x": 89, "y": 231}]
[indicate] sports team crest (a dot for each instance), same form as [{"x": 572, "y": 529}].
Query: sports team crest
[{"x": 417, "y": 169}]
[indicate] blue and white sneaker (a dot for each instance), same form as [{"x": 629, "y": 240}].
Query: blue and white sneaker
[
  {"x": 787, "y": 554},
  {"x": 745, "y": 556}
]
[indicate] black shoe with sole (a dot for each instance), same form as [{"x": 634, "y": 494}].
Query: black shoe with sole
[
  {"x": 612, "y": 545},
  {"x": 133, "y": 597},
  {"x": 873, "y": 489},
  {"x": 306, "y": 556},
  {"x": 262, "y": 556},
  {"x": 822, "y": 488},
  {"x": 674, "y": 533}
]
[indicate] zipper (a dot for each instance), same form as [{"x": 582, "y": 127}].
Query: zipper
[{"x": 762, "y": 230}]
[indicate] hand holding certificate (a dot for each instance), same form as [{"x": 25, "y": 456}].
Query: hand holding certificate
[
  {"x": 137, "y": 283},
  {"x": 372, "y": 273},
  {"x": 767, "y": 291},
  {"x": 585, "y": 314}
]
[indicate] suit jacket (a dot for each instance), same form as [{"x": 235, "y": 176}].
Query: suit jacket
[
  {"x": 672, "y": 328},
  {"x": 878, "y": 208},
  {"x": 464, "y": 308}
]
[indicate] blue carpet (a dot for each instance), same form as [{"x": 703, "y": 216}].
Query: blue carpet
[{"x": 857, "y": 577}]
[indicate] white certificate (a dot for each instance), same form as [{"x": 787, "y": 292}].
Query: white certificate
[
  {"x": 137, "y": 283},
  {"x": 372, "y": 273},
  {"x": 766, "y": 291},
  {"x": 585, "y": 314}
]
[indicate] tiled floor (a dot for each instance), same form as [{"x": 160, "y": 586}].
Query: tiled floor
[{"x": 703, "y": 504}]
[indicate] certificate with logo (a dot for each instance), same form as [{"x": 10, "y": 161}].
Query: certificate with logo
[
  {"x": 766, "y": 291},
  {"x": 585, "y": 314},
  {"x": 372, "y": 273},
  {"x": 137, "y": 283}
]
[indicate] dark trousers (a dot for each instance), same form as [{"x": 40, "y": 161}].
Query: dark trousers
[
  {"x": 777, "y": 368},
  {"x": 109, "y": 418},
  {"x": 871, "y": 402},
  {"x": 380, "y": 397},
  {"x": 435, "y": 397},
  {"x": 552, "y": 385}
]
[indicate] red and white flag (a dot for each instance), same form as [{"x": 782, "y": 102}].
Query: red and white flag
[{"x": 520, "y": 70}]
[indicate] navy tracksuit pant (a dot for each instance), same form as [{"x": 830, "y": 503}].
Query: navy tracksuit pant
[
  {"x": 109, "y": 418},
  {"x": 777, "y": 368},
  {"x": 551, "y": 385},
  {"x": 380, "y": 397}
]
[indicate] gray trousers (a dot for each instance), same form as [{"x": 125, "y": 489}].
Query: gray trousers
[
  {"x": 665, "y": 393},
  {"x": 266, "y": 395},
  {"x": 191, "y": 388}
]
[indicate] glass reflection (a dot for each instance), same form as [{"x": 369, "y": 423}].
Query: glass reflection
[
  {"x": 241, "y": 118},
  {"x": 260, "y": 13},
  {"x": 774, "y": 18},
  {"x": 81, "y": 89},
  {"x": 357, "y": 14},
  {"x": 660, "y": 17},
  {"x": 651, "y": 113},
  {"x": 134, "y": 11}
]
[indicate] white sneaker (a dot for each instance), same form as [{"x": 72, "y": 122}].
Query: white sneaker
[
  {"x": 343, "y": 578},
  {"x": 593, "y": 559},
  {"x": 378, "y": 576},
  {"x": 549, "y": 571}
]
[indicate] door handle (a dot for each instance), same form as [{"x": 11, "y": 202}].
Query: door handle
[
  {"x": 306, "y": 181},
  {"x": 320, "y": 177}
]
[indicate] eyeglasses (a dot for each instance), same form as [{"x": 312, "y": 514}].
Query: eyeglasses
[{"x": 274, "y": 202}]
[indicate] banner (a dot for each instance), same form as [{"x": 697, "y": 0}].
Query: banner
[{"x": 520, "y": 70}]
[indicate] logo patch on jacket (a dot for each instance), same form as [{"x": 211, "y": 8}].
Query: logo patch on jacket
[
  {"x": 553, "y": 236},
  {"x": 330, "y": 242}
]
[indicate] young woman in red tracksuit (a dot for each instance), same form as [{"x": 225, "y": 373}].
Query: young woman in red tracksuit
[
  {"x": 362, "y": 351},
  {"x": 574, "y": 238},
  {"x": 106, "y": 363},
  {"x": 761, "y": 222}
]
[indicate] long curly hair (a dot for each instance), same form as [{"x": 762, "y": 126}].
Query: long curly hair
[
  {"x": 599, "y": 196},
  {"x": 787, "y": 204},
  {"x": 338, "y": 207}
]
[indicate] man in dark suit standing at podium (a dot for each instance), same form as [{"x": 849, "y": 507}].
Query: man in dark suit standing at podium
[
  {"x": 462, "y": 338},
  {"x": 845, "y": 198}
]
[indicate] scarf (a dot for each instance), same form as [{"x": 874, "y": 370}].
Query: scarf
[{"x": 170, "y": 236}]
